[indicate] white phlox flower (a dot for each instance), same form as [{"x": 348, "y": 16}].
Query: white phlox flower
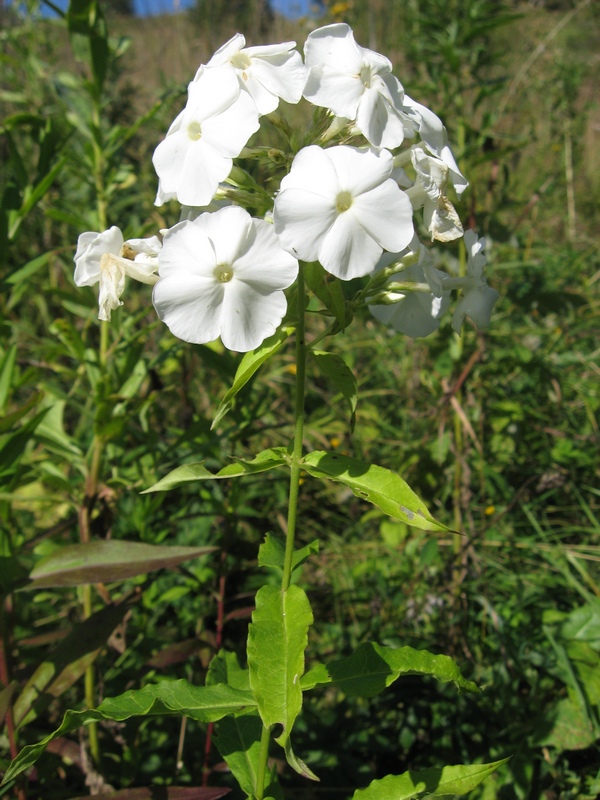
[
  {"x": 414, "y": 300},
  {"x": 356, "y": 83},
  {"x": 339, "y": 206},
  {"x": 198, "y": 150},
  {"x": 478, "y": 299},
  {"x": 223, "y": 274},
  {"x": 106, "y": 259},
  {"x": 429, "y": 193},
  {"x": 435, "y": 138},
  {"x": 267, "y": 73}
]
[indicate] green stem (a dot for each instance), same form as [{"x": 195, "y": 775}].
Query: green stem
[
  {"x": 262, "y": 762},
  {"x": 296, "y": 467}
]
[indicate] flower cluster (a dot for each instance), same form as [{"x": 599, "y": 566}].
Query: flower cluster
[{"x": 348, "y": 200}]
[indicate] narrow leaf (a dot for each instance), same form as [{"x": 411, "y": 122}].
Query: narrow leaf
[
  {"x": 277, "y": 639},
  {"x": 378, "y": 485},
  {"x": 341, "y": 376},
  {"x": 250, "y": 363},
  {"x": 455, "y": 780},
  {"x": 373, "y": 667},
  {"x": 106, "y": 562},
  {"x": 188, "y": 473},
  {"x": 202, "y": 703}
]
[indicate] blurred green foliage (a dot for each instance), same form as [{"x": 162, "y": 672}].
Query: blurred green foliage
[{"x": 514, "y": 598}]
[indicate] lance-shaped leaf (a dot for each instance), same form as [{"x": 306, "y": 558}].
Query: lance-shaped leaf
[
  {"x": 277, "y": 639},
  {"x": 250, "y": 363},
  {"x": 106, "y": 562},
  {"x": 238, "y": 742},
  {"x": 266, "y": 460},
  {"x": 434, "y": 782},
  {"x": 202, "y": 703},
  {"x": 67, "y": 662},
  {"x": 373, "y": 667},
  {"x": 339, "y": 373},
  {"x": 271, "y": 553},
  {"x": 380, "y": 486}
]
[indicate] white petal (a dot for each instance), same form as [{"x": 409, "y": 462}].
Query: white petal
[
  {"x": 190, "y": 306},
  {"x": 477, "y": 304},
  {"x": 359, "y": 171},
  {"x": 230, "y": 232},
  {"x": 333, "y": 46},
  {"x": 441, "y": 220},
  {"x": 314, "y": 171},
  {"x": 347, "y": 251},
  {"x": 301, "y": 220},
  {"x": 249, "y": 316},
  {"x": 90, "y": 249},
  {"x": 214, "y": 91},
  {"x": 283, "y": 75},
  {"x": 266, "y": 266},
  {"x": 386, "y": 215},
  {"x": 112, "y": 284},
  {"x": 228, "y": 132},
  {"x": 224, "y": 53},
  {"x": 188, "y": 249},
  {"x": 336, "y": 90}
]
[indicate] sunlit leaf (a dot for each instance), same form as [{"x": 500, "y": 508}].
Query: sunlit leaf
[
  {"x": 250, "y": 363},
  {"x": 378, "y": 485},
  {"x": 277, "y": 639},
  {"x": 202, "y": 703},
  {"x": 188, "y": 473},
  {"x": 271, "y": 553}
]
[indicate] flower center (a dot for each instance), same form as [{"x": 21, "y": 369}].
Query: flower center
[
  {"x": 194, "y": 131},
  {"x": 223, "y": 273},
  {"x": 240, "y": 60},
  {"x": 343, "y": 202},
  {"x": 365, "y": 76}
]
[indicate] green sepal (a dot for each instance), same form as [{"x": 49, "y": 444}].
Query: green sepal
[
  {"x": 250, "y": 363},
  {"x": 266, "y": 460},
  {"x": 380, "y": 486},
  {"x": 329, "y": 291},
  {"x": 434, "y": 782}
]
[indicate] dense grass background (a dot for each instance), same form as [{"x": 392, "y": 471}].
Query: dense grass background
[{"x": 497, "y": 431}]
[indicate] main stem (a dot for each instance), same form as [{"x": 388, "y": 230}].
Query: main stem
[{"x": 294, "y": 490}]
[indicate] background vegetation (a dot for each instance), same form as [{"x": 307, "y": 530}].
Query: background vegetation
[{"x": 497, "y": 431}]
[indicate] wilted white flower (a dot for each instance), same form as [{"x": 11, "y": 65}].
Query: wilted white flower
[
  {"x": 106, "y": 259},
  {"x": 223, "y": 274},
  {"x": 198, "y": 150},
  {"x": 429, "y": 193},
  {"x": 435, "y": 138},
  {"x": 339, "y": 206},
  {"x": 267, "y": 72},
  {"x": 357, "y": 84},
  {"x": 478, "y": 299}
]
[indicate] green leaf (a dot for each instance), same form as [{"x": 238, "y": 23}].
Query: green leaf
[
  {"x": 378, "y": 485},
  {"x": 271, "y": 553},
  {"x": 437, "y": 782},
  {"x": 373, "y": 667},
  {"x": 6, "y": 695},
  {"x": 7, "y": 366},
  {"x": 107, "y": 561},
  {"x": 225, "y": 668},
  {"x": 277, "y": 639},
  {"x": 12, "y": 574},
  {"x": 238, "y": 742},
  {"x": 339, "y": 373},
  {"x": 202, "y": 703},
  {"x": 249, "y": 364},
  {"x": 188, "y": 473},
  {"x": 329, "y": 291}
]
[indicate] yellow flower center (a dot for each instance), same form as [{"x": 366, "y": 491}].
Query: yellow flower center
[
  {"x": 343, "y": 202},
  {"x": 194, "y": 131},
  {"x": 365, "y": 76},
  {"x": 223, "y": 273},
  {"x": 240, "y": 60}
]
